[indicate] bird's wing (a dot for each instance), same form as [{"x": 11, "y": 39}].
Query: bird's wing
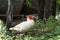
[
  {"x": 17, "y": 27},
  {"x": 20, "y": 24},
  {"x": 24, "y": 26}
]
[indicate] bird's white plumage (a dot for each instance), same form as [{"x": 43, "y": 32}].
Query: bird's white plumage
[{"x": 24, "y": 26}]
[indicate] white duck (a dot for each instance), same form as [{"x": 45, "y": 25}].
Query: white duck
[{"x": 24, "y": 26}]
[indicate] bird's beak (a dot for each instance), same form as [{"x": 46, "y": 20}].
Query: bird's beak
[{"x": 35, "y": 17}]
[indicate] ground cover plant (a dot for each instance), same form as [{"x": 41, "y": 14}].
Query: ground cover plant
[{"x": 43, "y": 30}]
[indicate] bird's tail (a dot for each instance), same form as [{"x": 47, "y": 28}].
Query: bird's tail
[{"x": 11, "y": 28}]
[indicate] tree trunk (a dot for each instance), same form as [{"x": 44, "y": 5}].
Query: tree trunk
[
  {"x": 9, "y": 14},
  {"x": 41, "y": 8},
  {"x": 49, "y": 8}
]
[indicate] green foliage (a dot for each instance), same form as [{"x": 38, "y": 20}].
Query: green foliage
[
  {"x": 48, "y": 29},
  {"x": 58, "y": 6},
  {"x": 46, "y": 25},
  {"x": 29, "y": 4},
  {"x": 58, "y": 1}
]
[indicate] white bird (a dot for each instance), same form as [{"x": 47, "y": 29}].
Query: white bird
[{"x": 24, "y": 26}]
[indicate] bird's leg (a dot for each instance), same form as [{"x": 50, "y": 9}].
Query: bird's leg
[{"x": 25, "y": 34}]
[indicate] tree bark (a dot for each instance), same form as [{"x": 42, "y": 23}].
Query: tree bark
[
  {"x": 41, "y": 8},
  {"x": 9, "y": 14},
  {"x": 49, "y": 8}
]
